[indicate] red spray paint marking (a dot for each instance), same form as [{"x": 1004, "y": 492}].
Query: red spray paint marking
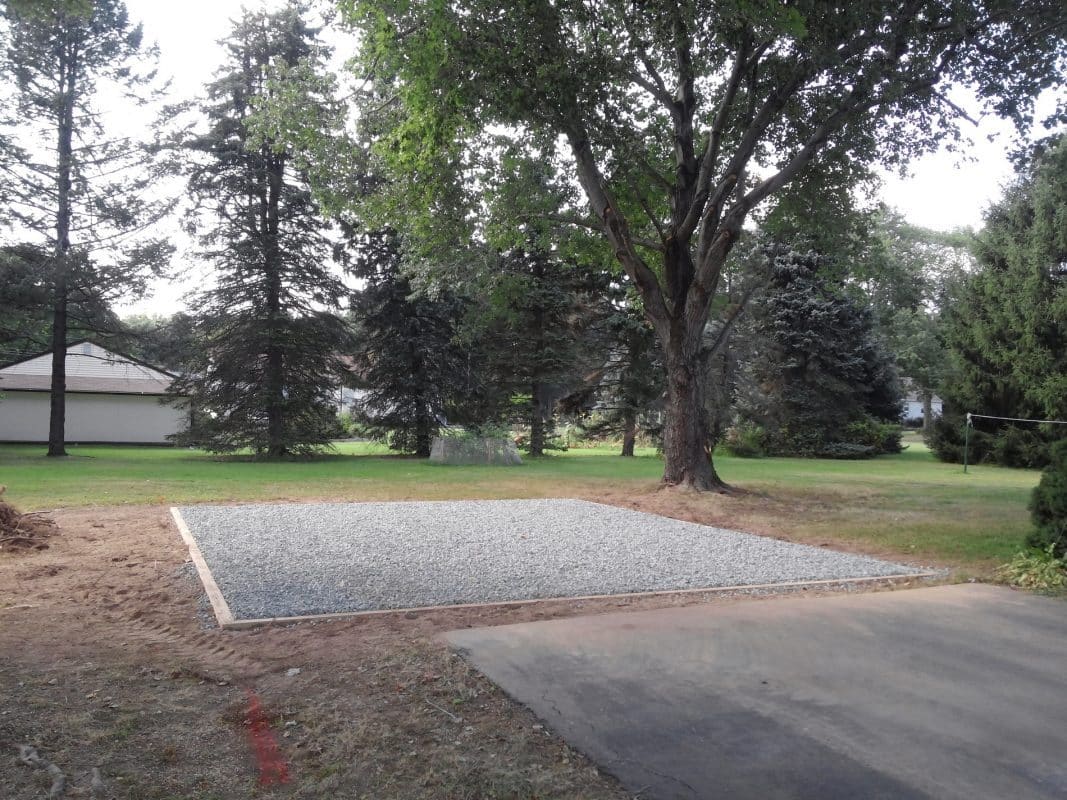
[{"x": 269, "y": 758}]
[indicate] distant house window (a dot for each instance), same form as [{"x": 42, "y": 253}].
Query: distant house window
[{"x": 87, "y": 348}]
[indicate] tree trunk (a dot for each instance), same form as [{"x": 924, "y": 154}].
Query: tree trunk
[
  {"x": 537, "y": 422},
  {"x": 686, "y": 443},
  {"x": 58, "y": 406},
  {"x": 57, "y": 416},
  {"x": 275, "y": 377},
  {"x": 928, "y": 413},
  {"x": 629, "y": 432},
  {"x": 425, "y": 424}
]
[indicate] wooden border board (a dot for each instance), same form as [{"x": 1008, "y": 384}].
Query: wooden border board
[{"x": 214, "y": 594}]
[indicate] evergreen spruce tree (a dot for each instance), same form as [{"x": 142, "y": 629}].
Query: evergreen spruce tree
[
  {"x": 1007, "y": 331},
  {"x": 82, "y": 193},
  {"x": 818, "y": 382},
  {"x": 269, "y": 364},
  {"x": 416, "y": 375}
]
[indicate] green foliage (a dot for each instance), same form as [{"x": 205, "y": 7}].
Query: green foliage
[
  {"x": 1048, "y": 505},
  {"x": 349, "y": 426},
  {"x": 666, "y": 114},
  {"x": 167, "y": 342},
  {"x": 25, "y": 296},
  {"x": 881, "y": 437},
  {"x": 745, "y": 440},
  {"x": 623, "y": 398},
  {"x": 266, "y": 365},
  {"x": 1037, "y": 568},
  {"x": 1007, "y": 331},
  {"x": 817, "y": 382},
  {"x": 417, "y": 376},
  {"x": 540, "y": 322}
]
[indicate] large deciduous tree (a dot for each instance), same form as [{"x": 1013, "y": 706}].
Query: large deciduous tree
[
  {"x": 269, "y": 350},
  {"x": 78, "y": 194},
  {"x": 680, "y": 119}
]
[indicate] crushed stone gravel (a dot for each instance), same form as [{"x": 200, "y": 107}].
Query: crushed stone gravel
[{"x": 283, "y": 560}]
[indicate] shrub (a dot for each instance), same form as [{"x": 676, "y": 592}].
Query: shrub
[
  {"x": 1036, "y": 569},
  {"x": 881, "y": 437},
  {"x": 846, "y": 450},
  {"x": 1048, "y": 504},
  {"x": 1008, "y": 445},
  {"x": 745, "y": 440},
  {"x": 350, "y": 427}
]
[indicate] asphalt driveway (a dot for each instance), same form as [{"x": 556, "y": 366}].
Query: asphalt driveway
[{"x": 942, "y": 692}]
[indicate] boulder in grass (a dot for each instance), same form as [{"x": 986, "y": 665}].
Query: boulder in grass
[{"x": 474, "y": 450}]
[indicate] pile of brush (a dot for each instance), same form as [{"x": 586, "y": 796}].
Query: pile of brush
[{"x": 23, "y": 531}]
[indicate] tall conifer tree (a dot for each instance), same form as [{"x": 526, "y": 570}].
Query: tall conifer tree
[
  {"x": 80, "y": 198},
  {"x": 406, "y": 354},
  {"x": 269, "y": 365},
  {"x": 1007, "y": 332}
]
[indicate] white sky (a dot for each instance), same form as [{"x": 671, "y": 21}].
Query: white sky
[{"x": 940, "y": 193}]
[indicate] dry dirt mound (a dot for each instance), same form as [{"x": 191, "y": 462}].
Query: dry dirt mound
[{"x": 23, "y": 531}]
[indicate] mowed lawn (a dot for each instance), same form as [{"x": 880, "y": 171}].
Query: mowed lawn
[{"x": 910, "y": 504}]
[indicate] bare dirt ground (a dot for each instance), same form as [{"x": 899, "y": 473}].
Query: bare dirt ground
[{"x": 109, "y": 659}]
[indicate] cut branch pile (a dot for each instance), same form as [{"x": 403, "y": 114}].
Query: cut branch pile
[{"x": 23, "y": 531}]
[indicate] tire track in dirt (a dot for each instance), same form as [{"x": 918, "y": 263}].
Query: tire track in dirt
[{"x": 201, "y": 648}]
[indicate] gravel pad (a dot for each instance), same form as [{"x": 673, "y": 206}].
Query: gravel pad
[{"x": 297, "y": 559}]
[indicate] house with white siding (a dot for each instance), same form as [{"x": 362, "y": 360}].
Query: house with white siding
[{"x": 110, "y": 398}]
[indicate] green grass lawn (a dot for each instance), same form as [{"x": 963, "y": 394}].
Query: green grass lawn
[{"x": 908, "y": 504}]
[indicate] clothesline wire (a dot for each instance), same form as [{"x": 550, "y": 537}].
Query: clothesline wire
[{"x": 1017, "y": 419}]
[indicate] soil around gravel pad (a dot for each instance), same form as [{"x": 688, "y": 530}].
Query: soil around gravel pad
[{"x": 109, "y": 658}]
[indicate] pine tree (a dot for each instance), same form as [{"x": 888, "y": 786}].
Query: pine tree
[
  {"x": 416, "y": 375},
  {"x": 81, "y": 196},
  {"x": 818, "y": 381},
  {"x": 269, "y": 361},
  {"x": 540, "y": 325},
  {"x": 1007, "y": 331}
]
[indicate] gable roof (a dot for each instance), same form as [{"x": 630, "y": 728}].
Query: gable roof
[{"x": 90, "y": 368}]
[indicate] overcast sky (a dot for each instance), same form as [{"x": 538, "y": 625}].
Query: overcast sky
[{"x": 940, "y": 193}]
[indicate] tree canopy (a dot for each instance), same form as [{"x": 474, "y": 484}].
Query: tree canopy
[{"x": 679, "y": 120}]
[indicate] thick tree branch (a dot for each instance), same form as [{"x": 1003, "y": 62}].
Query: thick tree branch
[
  {"x": 654, "y": 84},
  {"x": 710, "y": 156},
  {"x": 657, "y": 90},
  {"x": 728, "y": 324},
  {"x": 735, "y": 168},
  {"x": 616, "y": 229},
  {"x": 598, "y": 227}
]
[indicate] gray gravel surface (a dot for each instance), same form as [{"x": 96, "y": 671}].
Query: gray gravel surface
[{"x": 293, "y": 559}]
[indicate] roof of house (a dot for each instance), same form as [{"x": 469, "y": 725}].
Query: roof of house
[{"x": 90, "y": 368}]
